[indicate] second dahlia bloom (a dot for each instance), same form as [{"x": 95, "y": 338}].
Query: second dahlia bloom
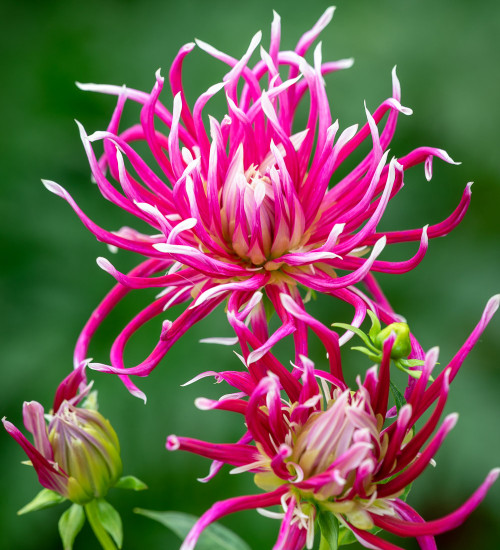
[
  {"x": 249, "y": 201},
  {"x": 317, "y": 447}
]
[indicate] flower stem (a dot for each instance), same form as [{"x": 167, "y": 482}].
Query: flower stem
[{"x": 102, "y": 536}]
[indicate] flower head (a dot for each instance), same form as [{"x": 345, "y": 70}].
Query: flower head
[
  {"x": 78, "y": 454},
  {"x": 327, "y": 449},
  {"x": 249, "y": 202}
]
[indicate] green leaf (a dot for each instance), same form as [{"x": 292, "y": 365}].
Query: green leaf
[
  {"x": 70, "y": 524},
  {"x": 346, "y": 536},
  {"x": 132, "y": 483},
  {"x": 406, "y": 492},
  {"x": 375, "y": 328},
  {"x": 214, "y": 537},
  {"x": 329, "y": 526},
  {"x": 398, "y": 397},
  {"x": 111, "y": 521},
  {"x": 44, "y": 499}
]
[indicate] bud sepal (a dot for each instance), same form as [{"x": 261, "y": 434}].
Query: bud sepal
[{"x": 374, "y": 342}]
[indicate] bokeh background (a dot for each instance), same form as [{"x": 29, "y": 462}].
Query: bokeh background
[{"x": 447, "y": 57}]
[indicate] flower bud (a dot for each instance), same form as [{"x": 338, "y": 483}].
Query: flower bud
[
  {"x": 86, "y": 447},
  {"x": 402, "y": 344}
]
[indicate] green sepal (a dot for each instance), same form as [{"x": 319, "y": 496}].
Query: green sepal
[
  {"x": 111, "y": 521},
  {"x": 398, "y": 397},
  {"x": 375, "y": 328},
  {"x": 132, "y": 483},
  {"x": 70, "y": 524},
  {"x": 406, "y": 492},
  {"x": 44, "y": 499},
  {"x": 310, "y": 295},
  {"x": 90, "y": 402},
  {"x": 369, "y": 353},
  {"x": 413, "y": 373},
  {"x": 268, "y": 306},
  {"x": 358, "y": 332},
  {"x": 412, "y": 362},
  {"x": 214, "y": 537},
  {"x": 329, "y": 527}
]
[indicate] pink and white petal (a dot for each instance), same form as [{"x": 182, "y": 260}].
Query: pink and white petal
[
  {"x": 229, "y": 506},
  {"x": 404, "y": 528}
]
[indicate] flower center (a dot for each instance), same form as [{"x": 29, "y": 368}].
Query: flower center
[{"x": 260, "y": 222}]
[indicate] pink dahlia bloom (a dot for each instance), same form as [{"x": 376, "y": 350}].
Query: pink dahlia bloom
[
  {"x": 248, "y": 202},
  {"x": 327, "y": 449}
]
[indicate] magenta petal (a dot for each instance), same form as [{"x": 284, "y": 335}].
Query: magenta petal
[
  {"x": 225, "y": 507},
  {"x": 48, "y": 476},
  {"x": 404, "y": 528},
  {"x": 68, "y": 388},
  {"x": 34, "y": 422}
]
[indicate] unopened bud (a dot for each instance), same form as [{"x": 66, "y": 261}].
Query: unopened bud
[
  {"x": 86, "y": 447},
  {"x": 402, "y": 344}
]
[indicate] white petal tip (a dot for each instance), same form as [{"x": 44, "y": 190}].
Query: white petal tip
[
  {"x": 492, "y": 306},
  {"x": 54, "y": 187},
  {"x": 172, "y": 443},
  {"x": 100, "y": 367},
  {"x": 493, "y": 475},
  {"x": 139, "y": 394},
  {"x": 203, "y": 404},
  {"x": 346, "y": 63},
  {"x": 158, "y": 75},
  {"x": 104, "y": 264}
]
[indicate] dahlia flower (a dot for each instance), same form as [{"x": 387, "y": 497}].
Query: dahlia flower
[
  {"x": 327, "y": 449},
  {"x": 248, "y": 202}
]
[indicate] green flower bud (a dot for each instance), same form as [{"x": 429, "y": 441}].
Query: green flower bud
[
  {"x": 86, "y": 447},
  {"x": 402, "y": 344}
]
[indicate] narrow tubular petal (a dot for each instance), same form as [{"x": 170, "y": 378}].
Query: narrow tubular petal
[
  {"x": 175, "y": 76},
  {"x": 369, "y": 540},
  {"x": 328, "y": 337},
  {"x": 34, "y": 422},
  {"x": 229, "y": 453},
  {"x": 408, "y": 513},
  {"x": 105, "y": 307},
  {"x": 48, "y": 476},
  {"x": 171, "y": 335},
  {"x": 291, "y": 535},
  {"x": 454, "y": 365},
  {"x": 418, "y": 466},
  {"x": 404, "y": 528},
  {"x": 225, "y": 507},
  {"x": 68, "y": 388}
]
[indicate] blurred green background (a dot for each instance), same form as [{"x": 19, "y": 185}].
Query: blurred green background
[{"x": 447, "y": 57}]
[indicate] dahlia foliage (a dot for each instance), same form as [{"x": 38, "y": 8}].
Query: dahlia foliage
[
  {"x": 259, "y": 209},
  {"x": 247, "y": 202}
]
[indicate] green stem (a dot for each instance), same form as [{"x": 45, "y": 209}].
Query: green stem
[{"x": 92, "y": 512}]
